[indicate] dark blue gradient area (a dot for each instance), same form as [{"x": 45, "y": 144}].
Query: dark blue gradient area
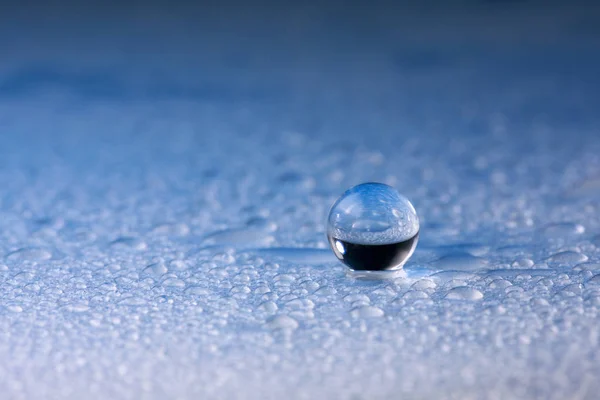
[{"x": 167, "y": 168}]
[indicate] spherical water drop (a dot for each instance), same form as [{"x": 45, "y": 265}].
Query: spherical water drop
[{"x": 372, "y": 227}]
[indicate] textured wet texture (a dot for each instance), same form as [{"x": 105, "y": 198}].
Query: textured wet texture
[{"x": 162, "y": 217}]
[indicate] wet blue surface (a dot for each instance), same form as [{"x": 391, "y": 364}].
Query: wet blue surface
[{"x": 165, "y": 177}]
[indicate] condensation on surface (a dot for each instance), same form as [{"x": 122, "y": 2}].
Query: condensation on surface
[{"x": 162, "y": 218}]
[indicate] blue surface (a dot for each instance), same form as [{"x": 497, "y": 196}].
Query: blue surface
[{"x": 166, "y": 173}]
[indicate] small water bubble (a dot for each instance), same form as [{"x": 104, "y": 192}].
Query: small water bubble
[
  {"x": 367, "y": 312},
  {"x": 14, "y": 308},
  {"x": 499, "y": 284},
  {"x": 594, "y": 279},
  {"x": 354, "y": 297},
  {"x": 566, "y": 258},
  {"x": 173, "y": 282},
  {"x": 156, "y": 269},
  {"x": 178, "y": 265},
  {"x": 523, "y": 262},
  {"x": 268, "y": 306},
  {"x": 24, "y": 277},
  {"x": 283, "y": 322},
  {"x": 197, "y": 290},
  {"x": 387, "y": 291},
  {"x": 219, "y": 273},
  {"x": 223, "y": 258},
  {"x": 287, "y": 297},
  {"x": 446, "y": 276},
  {"x": 241, "y": 278},
  {"x": 539, "y": 302},
  {"x": 177, "y": 229},
  {"x": 240, "y": 238},
  {"x": 77, "y": 307},
  {"x": 262, "y": 289},
  {"x": 240, "y": 291},
  {"x": 423, "y": 284},
  {"x": 562, "y": 230},
  {"x": 262, "y": 224},
  {"x": 464, "y": 293},
  {"x": 129, "y": 242},
  {"x": 325, "y": 291},
  {"x": 29, "y": 254},
  {"x": 108, "y": 287},
  {"x": 585, "y": 275},
  {"x": 310, "y": 286},
  {"x": 454, "y": 283},
  {"x": 574, "y": 289},
  {"x": 133, "y": 301},
  {"x": 300, "y": 304},
  {"x": 283, "y": 279},
  {"x": 587, "y": 266},
  {"x": 460, "y": 262},
  {"x": 414, "y": 295},
  {"x": 32, "y": 287}
]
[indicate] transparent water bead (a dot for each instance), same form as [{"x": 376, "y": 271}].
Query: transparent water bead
[{"x": 372, "y": 227}]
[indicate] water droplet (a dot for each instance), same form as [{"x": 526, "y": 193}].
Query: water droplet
[
  {"x": 156, "y": 269},
  {"x": 240, "y": 238},
  {"x": 367, "y": 312},
  {"x": 77, "y": 307},
  {"x": 373, "y": 227},
  {"x": 499, "y": 284},
  {"x": 424, "y": 284},
  {"x": 523, "y": 262},
  {"x": 133, "y": 301},
  {"x": 283, "y": 279},
  {"x": 326, "y": 291},
  {"x": 197, "y": 290},
  {"x": 573, "y": 289},
  {"x": 415, "y": 294},
  {"x": 268, "y": 306},
  {"x": 129, "y": 242},
  {"x": 594, "y": 279},
  {"x": 460, "y": 262},
  {"x": 171, "y": 229},
  {"x": 29, "y": 254},
  {"x": 240, "y": 291},
  {"x": 282, "y": 321},
  {"x": 298, "y": 255},
  {"x": 464, "y": 293},
  {"x": 566, "y": 258},
  {"x": 300, "y": 304},
  {"x": 173, "y": 282},
  {"x": 355, "y": 297},
  {"x": 562, "y": 230},
  {"x": 446, "y": 276},
  {"x": 262, "y": 224},
  {"x": 14, "y": 308},
  {"x": 501, "y": 272}
]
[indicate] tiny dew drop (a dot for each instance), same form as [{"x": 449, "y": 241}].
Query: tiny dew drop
[{"x": 372, "y": 227}]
